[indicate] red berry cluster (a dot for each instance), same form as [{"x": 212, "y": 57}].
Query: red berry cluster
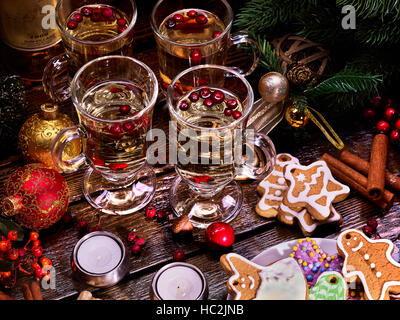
[
  {"x": 188, "y": 22},
  {"x": 28, "y": 255},
  {"x": 178, "y": 255},
  {"x": 210, "y": 98},
  {"x": 138, "y": 242},
  {"x": 96, "y": 14},
  {"x": 152, "y": 213},
  {"x": 386, "y": 117},
  {"x": 370, "y": 229},
  {"x": 83, "y": 228}
]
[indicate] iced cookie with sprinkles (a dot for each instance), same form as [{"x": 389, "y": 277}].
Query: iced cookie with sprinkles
[
  {"x": 273, "y": 187},
  {"x": 313, "y": 261},
  {"x": 330, "y": 286}
]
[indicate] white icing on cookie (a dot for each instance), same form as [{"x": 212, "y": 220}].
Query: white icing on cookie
[{"x": 312, "y": 200}]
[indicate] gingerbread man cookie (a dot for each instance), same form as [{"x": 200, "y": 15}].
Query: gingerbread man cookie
[
  {"x": 371, "y": 261},
  {"x": 273, "y": 187},
  {"x": 282, "y": 280},
  {"x": 314, "y": 188}
]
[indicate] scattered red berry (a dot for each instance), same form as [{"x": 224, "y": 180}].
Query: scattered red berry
[
  {"x": 35, "y": 266},
  {"x": 12, "y": 235},
  {"x": 36, "y": 243},
  {"x": 67, "y": 218},
  {"x": 373, "y": 223},
  {"x": 376, "y": 101},
  {"x": 194, "y": 97},
  {"x": 151, "y": 212},
  {"x": 21, "y": 252},
  {"x": 368, "y": 231},
  {"x": 13, "y": 254},
  {"x": 390, "y": 113},
  {"x": 132, "y": 236},
  {"x": 136, "y": 248},
  {"x": 39, "y": 273},
  {"x": 162, "y": 214},
  {"x": 72, "y": 24},
  {"x": 195, "y": 56},
  {"x": 394, "y": 136},
  {"x": 81, "y": 226},
  {"x": 383, "y": 126},
  {"x": 201, "y": 19},
  {"x": 6, "y": 274},
  {"x": 179, "y": 255},
  {"x": 139, "y": 241},
  {"x": 77, "y": 17},
  {"x": 369, "y": 114},
  {"x": 33, "y": 236},
  {"x": 192, "y": 13},
  {"x": 37, "y": 251}
]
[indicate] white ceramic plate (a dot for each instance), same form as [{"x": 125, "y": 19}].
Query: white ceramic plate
[{"x": 283, "y": 250}]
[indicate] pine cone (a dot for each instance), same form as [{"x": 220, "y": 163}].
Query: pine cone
[{"x": 299, "y": 74}]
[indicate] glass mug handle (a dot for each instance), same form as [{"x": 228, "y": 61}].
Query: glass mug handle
[
  {"x": 55, "y": 80},
  {"x": 59, "y": 144},
  {"x": 263, "y": 156},
  {"x": 241, "y": 37}
]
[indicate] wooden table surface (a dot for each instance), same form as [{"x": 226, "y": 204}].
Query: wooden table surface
[{"x": 253, "y": 233}]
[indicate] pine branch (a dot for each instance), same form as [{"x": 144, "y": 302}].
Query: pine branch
[
  {"x": 373, "y": 8},
  {"x": 378, "y": 34},
  {"x": 344, "y": 82},
  {"x": 268, "y": 58}
]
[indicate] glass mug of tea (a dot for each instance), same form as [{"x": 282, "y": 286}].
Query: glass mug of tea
[
  {"x": 190, "y": 33},
  {"x": 114, "y": 97},
  {"x": 89, "y": 29},
  {"x": 209, "y": 106}
]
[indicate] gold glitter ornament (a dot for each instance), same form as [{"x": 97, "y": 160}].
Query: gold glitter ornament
[
  {"x": 273, "y": 87},
  {"x": 296, "y": 116},
  {"x": 37, "y": 134}
]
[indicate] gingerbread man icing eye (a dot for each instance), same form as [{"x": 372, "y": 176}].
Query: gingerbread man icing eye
[{"x": 351, "y": 241}]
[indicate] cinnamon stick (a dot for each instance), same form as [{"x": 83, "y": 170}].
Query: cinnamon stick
[
  {"x": 377, "y": 168},
  {"x": 391, "y": 181},
  {"x": 356, "y": 181}
]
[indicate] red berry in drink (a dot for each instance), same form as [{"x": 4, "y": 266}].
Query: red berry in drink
[
  {"x": 122, "y": 29},
  {"x": 107, "y": 12},
  {"x": 236, "y": 114},
  {"x": 98, "y": 162},
  {"x": 394, "y": 136},
  {"x": 72, "y": 24},
  {"x": 231, "y": 103},
  {"x": 86, "y": 11},
  {"x": 116, "y": 131},
  {"x": 201, "y": 19},
  {"x": 151, "y": 212},
  {"x": 228, "y": 112},
  {"x": 178, "y": 17},
  {"x": 33, "y": 236},
  {"x": 121, "y": 22},
  {"x": 195, "y": 56},
  {"x": 383, "y": 126},
  {"x": 132, "y": 236},
  {"x": 118, "y": 166},
  {"x": 170, "y": 23},
  {"x": 77, "y": 17},
  {"x": 216, "y": 34},
  {"x": 376, "y": 101},
  {"x": 139, "y": 241},
  {"x": 390, "y": 113},
  {"x": 37, "y": 251},
  {"x": 192, "y": 13},
  {"x": 125, "y": 109},
  {"x": 205, "y": 93},
  {"x": 184, "y": 106},
  {"x": 115, "y": 89},
  {"x": 218, "y": 96},
  {"x": 95, "y": 15},
  {"x": 179, "y": 255},
  {"x": 208, "y": 103},
  {"x": 194, "y": 97},
  {"x": 136, "y": 248},
  {"x": 128, "y": 126},
  {"x": 12, "y": 235}
]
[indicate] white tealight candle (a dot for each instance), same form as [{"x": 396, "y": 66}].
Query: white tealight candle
[
  {"x": 179, "y": 282},
  {"x": 99, "y": 254}
]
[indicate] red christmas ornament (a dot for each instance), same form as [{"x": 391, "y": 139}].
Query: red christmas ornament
[
  {"x": 37, "y": 196},
  {"x": 220, "y": 235}
]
